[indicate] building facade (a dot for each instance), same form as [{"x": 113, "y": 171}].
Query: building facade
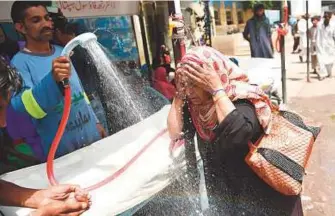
[{"x": 230, "y": 16}]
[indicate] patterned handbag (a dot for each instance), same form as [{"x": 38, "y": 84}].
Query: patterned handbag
[{"x": 280, "y": 158}]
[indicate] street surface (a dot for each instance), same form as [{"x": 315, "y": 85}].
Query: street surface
[{"x": 315, "y": 100}]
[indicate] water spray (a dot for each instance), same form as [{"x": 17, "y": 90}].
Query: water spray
[{"x": 81, "y": 40}]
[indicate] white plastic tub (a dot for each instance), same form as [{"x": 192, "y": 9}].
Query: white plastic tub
[{"x": 154, "y": 169}]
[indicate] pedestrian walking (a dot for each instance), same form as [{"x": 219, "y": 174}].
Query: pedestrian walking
[
  {"x": 302, "y": 29},
  {"x": 296, "y": 38},
  {"x": 325, "y": 46},
  {"x": 312, "y": 36}
]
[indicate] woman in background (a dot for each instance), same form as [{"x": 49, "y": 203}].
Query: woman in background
[{"x": 161, "y": 83}]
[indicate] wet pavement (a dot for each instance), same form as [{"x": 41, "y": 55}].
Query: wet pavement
[
  {"x": 315, "y": 100},
  {"x": 319, "y": 183}
]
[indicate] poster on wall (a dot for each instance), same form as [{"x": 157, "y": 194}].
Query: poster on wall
[
  {"x": 74, "y": 9},
  {"x": 115, "y": 34},
  {"x": 97, "y": 8}
]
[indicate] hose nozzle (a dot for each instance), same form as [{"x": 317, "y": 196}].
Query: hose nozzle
[
  {"x": 65, "y": 83},
  {"x": 79, "y": 40}
]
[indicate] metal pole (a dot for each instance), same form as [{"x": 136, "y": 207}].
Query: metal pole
[
  {"x": 283, "y": 69},
  {"x": 282, "y": 55},
  {"x": 144, "y": 38},
  {"x": 307, "y": 36},
  {"x": 208, "y": 24},
  {"x": 178, "y": 36}
]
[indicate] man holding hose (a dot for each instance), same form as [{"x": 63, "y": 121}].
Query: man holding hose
[
  {"x": 58, "y": 200},
  {"x": 43, "y": 70}
]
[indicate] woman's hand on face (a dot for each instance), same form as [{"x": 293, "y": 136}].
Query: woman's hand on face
[
  {"x": 206, "y": 78},
  {"x": 180, "y": 85}
]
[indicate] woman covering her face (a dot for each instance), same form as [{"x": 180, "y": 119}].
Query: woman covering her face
[{"x": 226, "y": 113}]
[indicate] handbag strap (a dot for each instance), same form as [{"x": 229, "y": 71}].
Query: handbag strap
[
  {"x": 283, "y": 163},
  {"x": 298, "y": 121},
  {"x": 253, "y": 146}
]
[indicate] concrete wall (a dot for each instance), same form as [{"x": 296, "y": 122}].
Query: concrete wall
[
  {"x": 233, "y": 8},
  {"x": 233, "y": 45},
  {"x": 228, "y": 38},
  {"x": 248, "y": 14}
]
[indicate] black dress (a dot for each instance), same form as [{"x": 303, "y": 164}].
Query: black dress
[{"x": 232, "y": 187}]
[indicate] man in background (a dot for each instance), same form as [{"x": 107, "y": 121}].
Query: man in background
[
  {"x": 312, "y": 36},
  {"x": 65, "y": 31},
  {"x": 303, "y": 30},
  {"x": 325, "y": 46},
  {"x": 296, "y": 37},
  {"x": 8, "y": 47},
  {"x": 258, "y": 32}
]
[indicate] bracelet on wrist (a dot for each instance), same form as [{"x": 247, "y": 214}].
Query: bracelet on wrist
[
  {"x": 217, "y": 91},
  {"x": 219, "y": 97}
]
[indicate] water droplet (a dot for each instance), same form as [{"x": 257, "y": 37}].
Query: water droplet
[
  {"x": 309, "y": 207},
  {"x": 305, "y": 198}
]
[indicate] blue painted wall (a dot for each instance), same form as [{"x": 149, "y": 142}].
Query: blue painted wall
[
  {"x": 114, "y": 33},
  {"x": 10, "y": 31}
]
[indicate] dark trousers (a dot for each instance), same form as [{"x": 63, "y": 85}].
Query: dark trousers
[{"x": 296, "y": 43}]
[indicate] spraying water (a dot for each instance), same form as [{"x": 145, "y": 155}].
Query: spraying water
[
  {"x": 130, "y": 107},
  {"x": 114, "y": 87},
  {"x": 114, "y": 35},
  {"x": 181, "y": 197}
]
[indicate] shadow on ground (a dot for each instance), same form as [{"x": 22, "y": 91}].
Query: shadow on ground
[{"x": 295, "y": 79}]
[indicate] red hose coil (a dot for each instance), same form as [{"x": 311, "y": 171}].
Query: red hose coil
[
  {"x": 58, "y": 137},
  {"x": 282, "y": 32},
  {"x": 59, "y": 134}
]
